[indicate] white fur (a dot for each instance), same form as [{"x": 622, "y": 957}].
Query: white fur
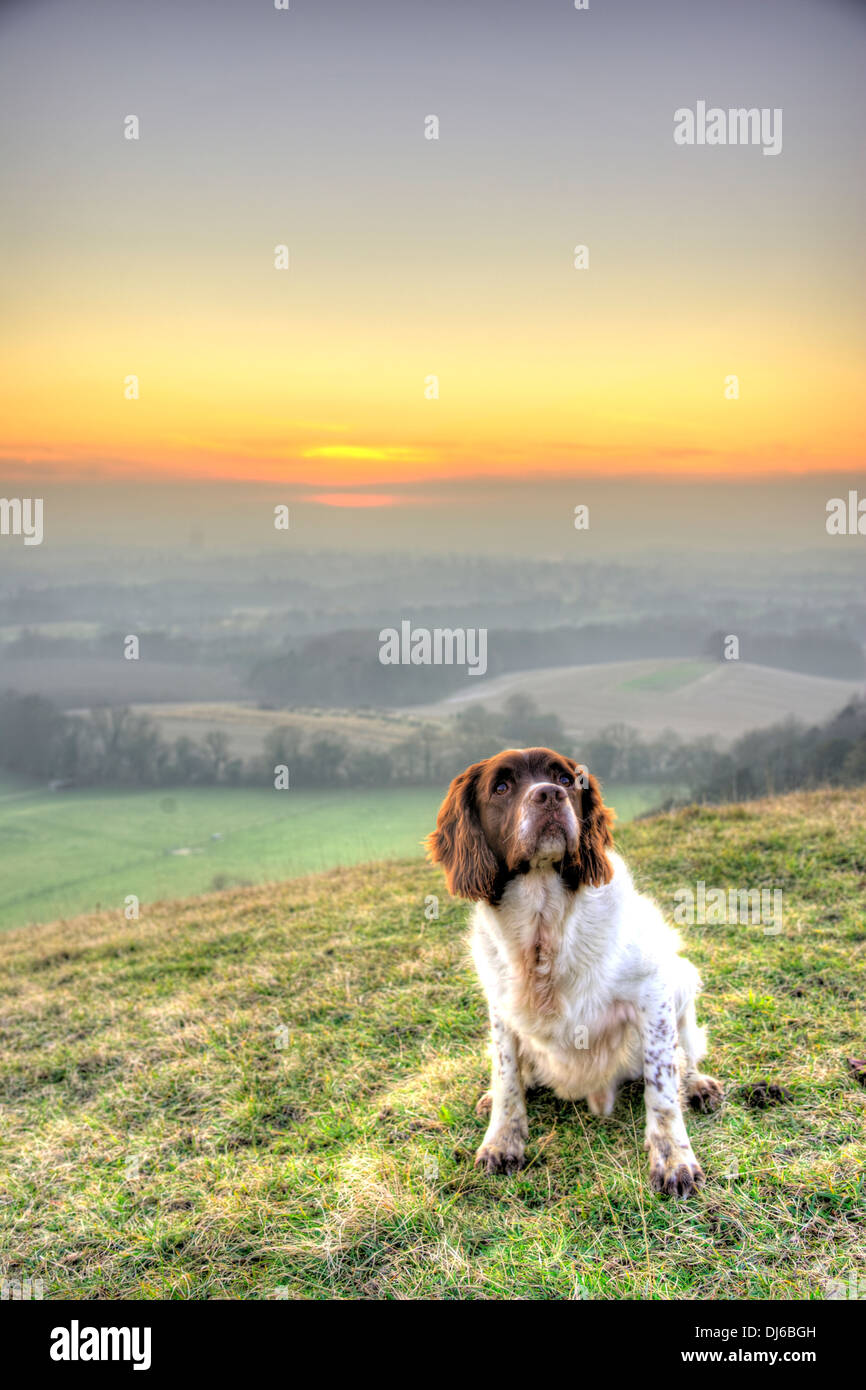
[{"x": 618, "y": 998}]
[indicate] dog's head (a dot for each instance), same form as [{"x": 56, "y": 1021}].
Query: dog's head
[{"x": 523, "y": 808}]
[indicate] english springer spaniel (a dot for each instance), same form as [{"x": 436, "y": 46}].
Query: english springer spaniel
[{"x": 583, "y": 977}]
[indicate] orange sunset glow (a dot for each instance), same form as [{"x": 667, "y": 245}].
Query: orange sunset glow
[
  {"x": 632, "y": 403},
  {"x": 428, "y": 319}
]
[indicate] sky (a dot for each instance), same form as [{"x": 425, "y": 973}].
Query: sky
[{"x": 412, "y": 258}]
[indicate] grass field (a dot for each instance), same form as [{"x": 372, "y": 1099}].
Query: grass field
[
  {"x": 265, "y": 1094},
  {"x": 670, "y": 676},
  {"x": 68, "y": 852},
  {"x": 722, "y": 698},
  {"x": 245, "y": 726}
]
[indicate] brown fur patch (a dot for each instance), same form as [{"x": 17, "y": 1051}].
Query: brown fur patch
[{"x": 538, "y": 982}]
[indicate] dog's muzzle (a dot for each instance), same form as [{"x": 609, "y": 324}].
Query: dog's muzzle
[{"x": 548, "y": 817}]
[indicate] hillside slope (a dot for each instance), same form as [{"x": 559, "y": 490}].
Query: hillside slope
[
  {"x": 270, "y": 1092},
  {"x": 725, "y": 698}
]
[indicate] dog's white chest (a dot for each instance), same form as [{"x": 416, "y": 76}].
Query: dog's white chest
[{"x": 549, "y": 962}]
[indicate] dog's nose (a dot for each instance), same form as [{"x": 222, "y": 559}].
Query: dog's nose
[{"x": 547, "y": 794}]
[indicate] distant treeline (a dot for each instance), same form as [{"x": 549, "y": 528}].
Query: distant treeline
[
  {"x": 788, "y": 756},
  {"x": 343, "y": 668},
  {"x": 811, "y": 651},
  {"x": 106, "y": 747},
  {"x": 782, "y": 757},
  {"x": 117, "y": 747}
]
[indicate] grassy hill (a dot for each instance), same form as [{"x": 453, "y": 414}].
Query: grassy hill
[
  {"x": 68, "y": 852},
  {"x": 270, "y": 1092},
  {"x": 80, "y": 850},
  {"x": 722, "y": 698}
]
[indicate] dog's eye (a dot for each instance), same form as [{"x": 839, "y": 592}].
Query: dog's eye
[
  {"x": 566, "y": 779},
  {"x": 501, "y": 788}
]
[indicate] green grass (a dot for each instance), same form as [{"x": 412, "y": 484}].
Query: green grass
[
  {"x": 68, "y": 852},
  {"x": 671, "y": 677},
  {"x": 158, "y": 1141}
]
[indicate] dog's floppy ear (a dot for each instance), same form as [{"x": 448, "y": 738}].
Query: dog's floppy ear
[
  {"x": 593, "y": 866},
  {"x": 458, "y": 843}
]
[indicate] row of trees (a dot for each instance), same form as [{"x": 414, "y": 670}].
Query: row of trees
[
  {"x": 109, "y": 747},
  {"x": 781, "y": 757},
  {"x": 343, "y": 668},
  {"x": 118, "y": 747},
  {"x": 788, "y": 756}
]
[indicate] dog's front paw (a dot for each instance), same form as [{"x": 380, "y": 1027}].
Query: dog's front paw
[
  {"x": 674, "y": 1170},
  {"x": 704, "y": 1093},
  {"x": 503, "y": 1151}
]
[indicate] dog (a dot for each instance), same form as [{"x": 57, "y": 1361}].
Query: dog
[{"x": 584, "y": 981}]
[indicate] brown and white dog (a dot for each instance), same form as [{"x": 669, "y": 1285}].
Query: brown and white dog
[{"x": 583, "y": 977}]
